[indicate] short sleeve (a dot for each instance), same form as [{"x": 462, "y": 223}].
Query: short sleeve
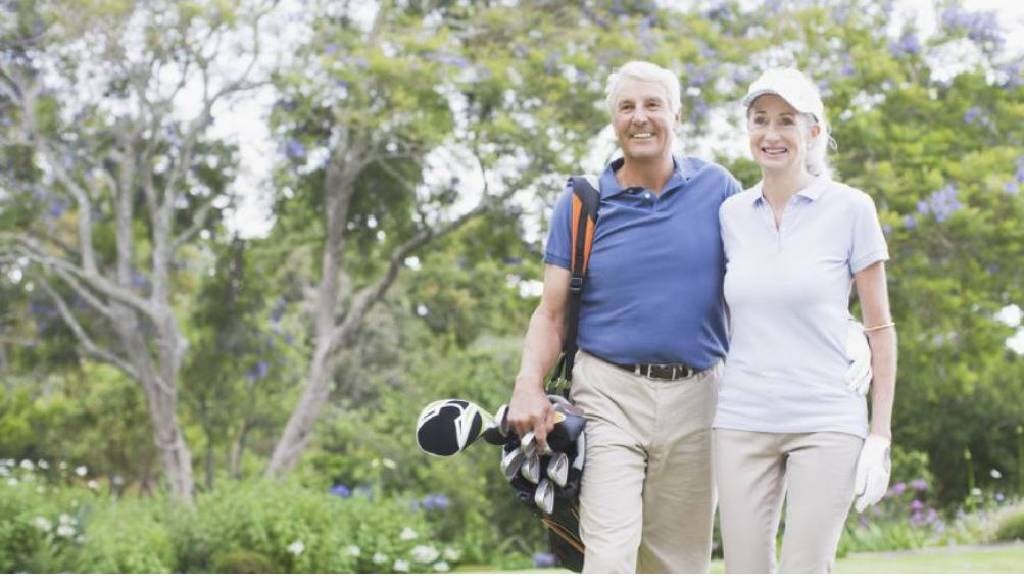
[
  {"x": 868, "y": 243},
  {"x": 557, "y": 251}
]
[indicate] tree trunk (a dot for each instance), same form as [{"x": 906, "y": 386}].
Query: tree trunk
[{"x": 303, "y": 419}]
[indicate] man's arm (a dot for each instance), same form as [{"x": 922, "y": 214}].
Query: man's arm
[{"x": 530, "y": 408}]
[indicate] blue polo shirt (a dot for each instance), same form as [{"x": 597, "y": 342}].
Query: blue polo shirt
[{"x": 653, "y": 292}]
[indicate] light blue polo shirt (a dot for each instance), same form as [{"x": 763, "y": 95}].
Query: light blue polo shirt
[
  {"x": 653, "y": 292},
  {"x": 788, "y": 292}
]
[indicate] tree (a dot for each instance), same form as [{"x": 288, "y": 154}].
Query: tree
[{"x": 93, "y": 101}]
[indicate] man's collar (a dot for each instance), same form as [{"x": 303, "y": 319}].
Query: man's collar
[{"x": 682, "y": 171}]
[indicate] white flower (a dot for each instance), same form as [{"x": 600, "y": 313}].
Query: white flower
[
  {"x": 9, "y": 462},
  {"x": 27, "y": 465},
  {"x": 296, "y": 547},
  {"x": 12, "y": 481},
  {"x": 451, "y": 554},
  {"x": 424, "y": 554},
  {"x": 441, "y": 566},
  {"x": 43, "y": 464},
  {"x": 388, "y": 463},
  {"x": 975, "y": 491},
  {"x": 65, "y": 531},
  {"x": 42, "y": 523},
  {"x": 4, "y": 471},
  {"x": 995, "y": 474},
  {"x": 65, "y": 519},
  {"x": 353, "y": 550},
  {"x": 408, "y": 534},
  {"x": 81, "y": 470},
  {"x": 92, "y": 484},
  {"x": 401, "y": 565},
  {"x": 63, "y": 465},
  {"x": 380, "y": 558}
]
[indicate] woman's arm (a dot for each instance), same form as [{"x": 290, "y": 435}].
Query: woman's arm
[{"x": 874, "y": 303}]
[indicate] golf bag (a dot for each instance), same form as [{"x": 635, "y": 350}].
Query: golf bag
[{"x": 563, "y": 523}]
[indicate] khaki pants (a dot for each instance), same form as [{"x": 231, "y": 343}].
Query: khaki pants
[
  {"x": 647, "y": 498},
  {"x": 814, "y": 471}
]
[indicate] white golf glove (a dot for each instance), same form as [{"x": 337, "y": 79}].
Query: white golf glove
[
  {"x": 872, "y": 472},
  {"x": 858, "y": 375}
]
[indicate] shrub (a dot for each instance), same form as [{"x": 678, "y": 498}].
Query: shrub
[
  {"x": 297, "y": 529},
  {"x": 1011, "y": 526},
  {"x": 40, "y": 525},
  {"x": 243, "y": 562},
  {"x": 127, "y": 536}
]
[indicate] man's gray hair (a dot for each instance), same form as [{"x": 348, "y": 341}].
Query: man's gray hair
[{"x": 645, "y": 72}]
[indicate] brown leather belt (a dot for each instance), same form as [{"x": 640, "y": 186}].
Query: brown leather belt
[{"x": 678, "y": 371}]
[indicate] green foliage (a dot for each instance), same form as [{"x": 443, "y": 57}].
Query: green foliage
[
  {"x": 41, "y": 522},
  {"x": 127, "y": 536},
  {"x": 465, "y": 498},
  {"x": 1011, "y": 526},
  {"x": 243, "y": 562},
  {"x": 300, "y": 530}
]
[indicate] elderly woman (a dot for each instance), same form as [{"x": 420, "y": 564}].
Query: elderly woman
[{"x": 787, "y": 427}]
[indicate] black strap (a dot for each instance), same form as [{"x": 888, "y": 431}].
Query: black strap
[{"x": 590, "y": 199}]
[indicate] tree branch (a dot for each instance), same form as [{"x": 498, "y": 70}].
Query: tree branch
[
  {"x": 369, "y": 296},
  {"x": 99, "y": 283},
  {"x": 83, "y": 337},
  {"x": 198, "y": 221}
]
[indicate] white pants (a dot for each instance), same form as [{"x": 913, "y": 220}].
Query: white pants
[
  {"x": 754, "y": 470},
  {"x": 647, "y": 496}
]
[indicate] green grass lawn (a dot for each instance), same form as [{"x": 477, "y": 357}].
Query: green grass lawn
[
  {"x": 969, "y": 559},
  {"x": 998, "y": 558}
]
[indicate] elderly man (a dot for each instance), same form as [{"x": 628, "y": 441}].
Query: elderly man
[{"x": 652, "y": 337}]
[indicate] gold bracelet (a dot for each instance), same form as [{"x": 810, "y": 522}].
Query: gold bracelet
[{"x": 879, "y": 327}]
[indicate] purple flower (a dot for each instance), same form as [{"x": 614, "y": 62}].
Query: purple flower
[
  {"x": 258, "y": 371},
  {"x": 919, "y": 485},
  {"x": 449, "y": 59},
  {"x": 435, "y": 502},
  {"x": 1020, "y": 170},
  {"x": 341, "y": 491},
  {"x": 1011, "y": 187},
  {"x": 1014, "y": 74},
  {"x": 981, "y": 27},
  {"x": 543, "y": 560},
  {"x": 295, "y": 150},
  {"x": 330, "y": 48},
  {"x": 976, "y": 115},
  {"x": 909, "y": 222},
  {"x": 56, "y": 207},
  {"x": 942, "y": 203},
  {"x": 905, "y": 45},
  {"x": 916, "y": 505},
  {"x": 1000, "y": 497},
  {"x": 840, "y": 14},
  {"x": 898, "y": 488},
  {"x": 847, "y": 70}
]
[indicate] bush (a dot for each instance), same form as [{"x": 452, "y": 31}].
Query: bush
[
  {"x": 40, "y": 525},
  {"x": 903, "y": 520},
  {"x": 1010, "y": 527},
  {"x": 296, "y": 529},
  {"x": 127, "y": 536},
  {"x": 243, "y": 562}
]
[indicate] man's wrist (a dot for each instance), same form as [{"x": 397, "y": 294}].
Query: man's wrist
[{"x": 528, "y": 382}]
